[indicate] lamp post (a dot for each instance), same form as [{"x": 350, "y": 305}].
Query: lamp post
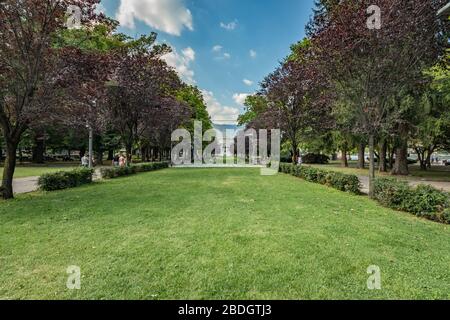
[
  {"x": 91, "y": 137},
  {"x": 445, "y": 10},
  {"x": 91, "y": 146}
]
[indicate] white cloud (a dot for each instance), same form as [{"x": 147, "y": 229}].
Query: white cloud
[
  {"x": 239, "y": 98},
  {"x": 217, "y": 48},
  {"x": 189, "y": 54},
  {"x": 170, "y": 16},
  {"x": 219, "y": 114},
  {"x": 248, "y": 82},
  {"x": 229, "y": 26},
  {"x": 182, "y": 63},
  {"x": 225, "y": 56},
  {"x": 253, "y": 54}
]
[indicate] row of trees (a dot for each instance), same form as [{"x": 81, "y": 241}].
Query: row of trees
[
  {"x": 59, "y": 82},
  {"x": 350, "y": 86}
]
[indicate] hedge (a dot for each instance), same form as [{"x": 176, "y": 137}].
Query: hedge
[
  {"x": 423, "y": 201},
  {"x": 65, "y": 179},
  {"x": 312, "y": 158},
  {"x": 112, "y": 173},
  {"x": 340, "y": 181}
]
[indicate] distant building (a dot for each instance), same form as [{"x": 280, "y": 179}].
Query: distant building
[{"x": 228, "y": 142}]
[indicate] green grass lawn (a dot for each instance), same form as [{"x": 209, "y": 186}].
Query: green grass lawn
[
  {"x": 216, "y": 234},
  {"x": 23, "y": 171},
  {"x": 437, "y": 173}
]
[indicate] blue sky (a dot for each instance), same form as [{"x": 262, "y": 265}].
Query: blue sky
[{"x": 225, "y": 47}]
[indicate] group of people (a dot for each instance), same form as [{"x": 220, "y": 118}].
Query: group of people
[{"x": 119, "y": 160}]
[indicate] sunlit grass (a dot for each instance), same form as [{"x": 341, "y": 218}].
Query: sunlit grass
[{"x": 216, "y": 234}]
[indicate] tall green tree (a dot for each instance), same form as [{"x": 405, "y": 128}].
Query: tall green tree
[
  {"x": 193, "y": 97},
  {"x": 368, "y": 66},
  {"x": 30, "y": 68}
]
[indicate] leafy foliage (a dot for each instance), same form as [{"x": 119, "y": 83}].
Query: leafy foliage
[
  {"x": 65, "y": 179},
  {"x": 340, "y": 181},
  {"x": 423, "y": 201},
  {"x": 112, "y": 173}
]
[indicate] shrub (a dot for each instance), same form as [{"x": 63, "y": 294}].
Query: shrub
[
  {"x": 426, "y": 200},
  {"x": 391, "y": 192},
  {"x": 309, "y": 174},
  {"x": 343, "y": 182},
  {"x": 423, "y": 201},
  {"x": 111, "y": 173},
  {"x": 65, "y": 179},
  {"x": 286, "y": 168},
  {"x": 312, "y": 158},
  {"x": 286, "y": 158},
  {"x": 339, "y": 181}
]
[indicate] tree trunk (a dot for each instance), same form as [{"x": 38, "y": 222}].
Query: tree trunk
[
  {"x": 361, "y": 155},
  {"x": 344, "y": 160},
  {"x": 38, "y": 150},
  {"x": 20, "y": 155},
  {"x": 295, "y": 153},
  {"x": 8, "y": 171},
  {"x": 129, "y": 149},
  {"x": 421, "y": 156},
  {"x": 110, "y": 155},
  {"x": 371, "y": 166},
  {"x": 391, "y": 157},
  {"x": 428, "y": 159},
  {"x": 99, "y": 158},
  {"x": 401, "y": 159},
  {"x": 383, "y": 156}
]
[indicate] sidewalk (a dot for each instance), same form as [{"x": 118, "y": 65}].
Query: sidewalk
[
  {"x": 445, "y": 186},
  {"x": 30, "y": 184},
  {"x": 25, "y": 185}
]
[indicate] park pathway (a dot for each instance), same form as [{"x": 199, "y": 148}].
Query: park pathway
[
  {"x": 30, "y": 184},
  {"x": 25, "y": 185},
  {"x": 437, "y": 184}
]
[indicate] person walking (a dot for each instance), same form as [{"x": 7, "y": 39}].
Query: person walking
[
  {"x": 85, "y": 161},
  {"x": 116, "y": 160},
  {"x": 122, "y": 161}
]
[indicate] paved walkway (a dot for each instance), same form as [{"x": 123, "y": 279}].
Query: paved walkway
[
  {"x": 25, "y": 185},
  {"x": 438, "y": 185},
  {"x": 30, "y": 184}
]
